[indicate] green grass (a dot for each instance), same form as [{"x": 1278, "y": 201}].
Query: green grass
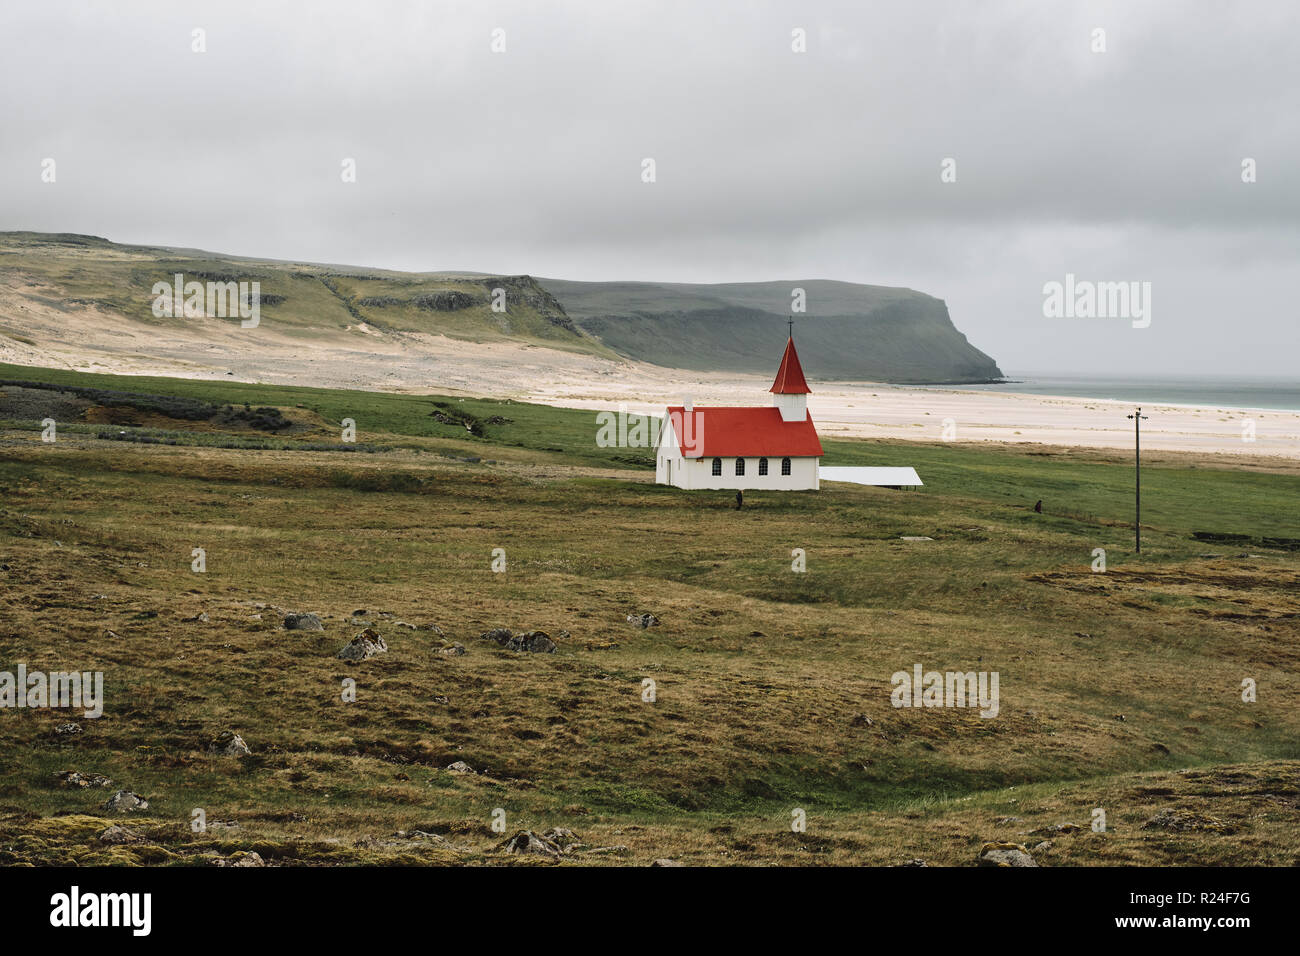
[{"x": 773, "y": 687}]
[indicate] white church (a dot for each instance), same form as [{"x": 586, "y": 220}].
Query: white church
[{"x": 773, "y": 447}]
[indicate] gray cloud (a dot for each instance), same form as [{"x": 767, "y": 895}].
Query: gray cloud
[{"x": 1122, "y": 165}]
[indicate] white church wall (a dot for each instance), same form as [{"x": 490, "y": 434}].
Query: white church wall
[{"x": 698, "y": 473}]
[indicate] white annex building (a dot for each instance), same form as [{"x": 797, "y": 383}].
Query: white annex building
[{"x": 772, "y": 447}]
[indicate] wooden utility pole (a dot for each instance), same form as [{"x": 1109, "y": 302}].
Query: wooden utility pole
[{"x": 1137, "y": 473}]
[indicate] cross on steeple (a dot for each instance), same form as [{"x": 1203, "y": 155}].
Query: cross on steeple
[{"x": 791, "y": 321}]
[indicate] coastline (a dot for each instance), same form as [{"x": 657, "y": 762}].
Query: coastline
[{"x": 434, "y": 364}]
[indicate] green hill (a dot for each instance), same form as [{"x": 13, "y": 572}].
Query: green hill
[
  {"x": 54, "y": 287},
  {"x": 850, "y": 331},
  {"x": 309, "y": 300}
]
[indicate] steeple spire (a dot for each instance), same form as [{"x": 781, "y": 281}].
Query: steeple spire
[{"x": 789, "y": 377}]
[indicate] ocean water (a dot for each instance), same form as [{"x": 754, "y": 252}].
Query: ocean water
[{"x": 1213, "y": 391}]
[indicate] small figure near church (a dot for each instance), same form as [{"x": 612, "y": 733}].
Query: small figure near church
[{"x": 740, "y": 500}]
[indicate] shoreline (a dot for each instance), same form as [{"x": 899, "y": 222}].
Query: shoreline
[{"x": 421, "y": 363}]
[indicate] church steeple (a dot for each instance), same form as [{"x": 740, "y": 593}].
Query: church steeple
[
  {"x": 790, "y": 390},
  {"x": 789, "y": 377}
]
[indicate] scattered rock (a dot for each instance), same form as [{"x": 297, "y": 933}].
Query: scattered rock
[
  {"x": 915, "y": 862},
  {"x": 82, "y": 781},
  {"x": 431, "y": 627},
  {"x": 554, "y": 843},
  {"x": 566, "y": 840},
  {"x": 440, "y": 699},
  {"x": 68, "y": 729},
  {"x": 228, "y": 744},
  {"x": 303, "y": 622},
  {"x": 860, "y": 720},
  {"x": 436, "y": 839},
  {"x": 200, "y": 618},
  {"x": 240, "y": 858},
  {"x": 643, "y": 620},
  {"x": 1004, "y": 821},
  {"x": 666, "y": 862},
  {"x": 1042, "y": 847},
  {"x": 535, "y": 642},
  {"x": 600, "y": 645},
  {"x": 116, "y": 836},
  {"x": 455, "y": 649},
  {"x": 528, "y": 842},
  {"x": 364, "y": 646},
  {"x": 1056, "y": 828},
  {"x": 1186, "y": 821},
  {"x": 460, "y": 766},
  {"x": 124, "y": 801},
  {"x": 915, "y": 537},
  {"x": 1005, "y": 854}
]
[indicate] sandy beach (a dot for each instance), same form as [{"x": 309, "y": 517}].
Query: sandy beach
[{"x": 420, "y": 363}]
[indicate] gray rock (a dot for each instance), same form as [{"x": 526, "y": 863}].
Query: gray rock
[
  {"x": 1056, "y": 829},
  {"x": 535, "y": 642},
  {"x": 1186, "y": 821},
  {"x": 1005, "y": 854},
  {"x": 566, "y": 840},
  {"x": 666, "y": 862},
  {"x": 436, "y": 839},
  {"x": 454, "y": 649},
  {"x": 116, "y": 836},
  {"x": 69, "y": 729},
  {"x": 364, "y": 646},
  {"x": 460, "y": 766},
  {"x": 529, "y": 843},
  {"x": 643, "y": 620},
  {"x": 79, "y": 780},
  {"x": 241, "y": 859},
  {"x": 303, "y": 622},
  {"x": 124, "y": 801},
  {"x": 228, "y": 744}
]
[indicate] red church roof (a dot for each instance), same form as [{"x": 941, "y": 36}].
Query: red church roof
[
  {"x": 789, "y": 377},
  {"x": 712, "y": 431}
]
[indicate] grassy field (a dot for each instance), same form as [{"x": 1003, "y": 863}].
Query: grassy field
[{"x": 1118, "y": 690}]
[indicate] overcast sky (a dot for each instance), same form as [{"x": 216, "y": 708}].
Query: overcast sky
[{"x": 770, "y": 164}]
